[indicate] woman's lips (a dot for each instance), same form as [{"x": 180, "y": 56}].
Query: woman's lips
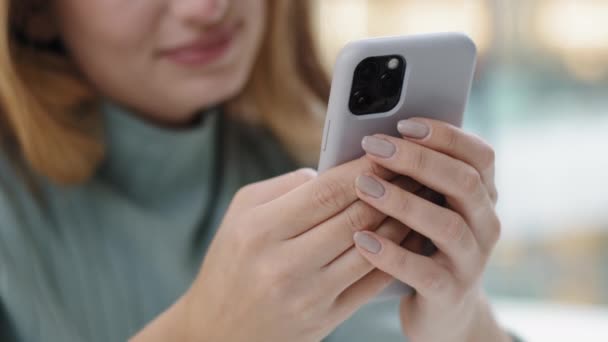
[{"x": 206, "y": 50}]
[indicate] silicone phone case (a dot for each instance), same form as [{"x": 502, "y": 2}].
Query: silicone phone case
[{"x": 438, "y": 77}]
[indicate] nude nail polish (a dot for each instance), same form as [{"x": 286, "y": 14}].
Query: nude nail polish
[
  {"x": 367, "y": 242},
  {"x": 413, "y": 129},
  {"x": 369, "y": 186},
  {"x": 378, "y": 147}
]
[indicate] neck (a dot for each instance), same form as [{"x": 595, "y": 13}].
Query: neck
[{"x": 172, "y": 122}]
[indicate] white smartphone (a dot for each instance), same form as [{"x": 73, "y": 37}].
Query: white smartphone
[{"x": 378, "y": 82}]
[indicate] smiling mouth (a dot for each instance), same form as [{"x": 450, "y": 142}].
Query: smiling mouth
[{"x": 205, "y": 50}]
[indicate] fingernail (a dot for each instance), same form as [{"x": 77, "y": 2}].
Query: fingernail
[
  {"x": 367, "y": 242},
  {"x": 413, "y": 129},
  {"x": 369, "y": 186},
  {"x": 378, "y": 147}
]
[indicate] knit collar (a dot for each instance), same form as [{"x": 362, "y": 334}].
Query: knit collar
[{"x": 153, "y": 164}]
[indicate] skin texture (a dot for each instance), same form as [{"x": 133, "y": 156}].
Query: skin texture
[
  {"x": 119, "y": 46},
  {"x": 260, "y": 280},
  {"x": 259, "y": 274},
  {"x": 448, "y": 292}
]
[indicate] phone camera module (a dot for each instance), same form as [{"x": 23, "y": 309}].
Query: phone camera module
[{"x": 377, "y": 85}]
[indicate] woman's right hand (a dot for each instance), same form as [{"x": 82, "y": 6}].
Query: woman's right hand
[{"x": 282, "y": 266}]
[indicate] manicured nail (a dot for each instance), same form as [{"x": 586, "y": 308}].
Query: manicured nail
[
  {"x": 367, "y": 242},
  {"x": 369, "y": 186},
  {"x": 413, "y": 129},
  {"x": 378, "y": 147}
]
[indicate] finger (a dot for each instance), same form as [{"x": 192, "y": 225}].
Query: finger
[
  {"x": 455, "y": 142},
  {"x": 316, "y": 201},
  {"x": 448, "y": 230},
  {"x": 489, "y": 221},
  {"x": 361, "y": 292},
  {"x": 458, "y": 181},
  {"x": 429, "y": 278},
  {"x": 264, "y": 191},
  {"x": 350, "y": 267},
  {"x": 334, "y": 236}
]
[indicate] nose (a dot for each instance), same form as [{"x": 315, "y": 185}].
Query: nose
[{"x": 200, "y": 12}]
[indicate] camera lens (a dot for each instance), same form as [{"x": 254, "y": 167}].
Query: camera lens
[
  {"x": 389, "y": 84},
  {"x": 361, "y": 99},
  {"x": 368, "y": 70}
]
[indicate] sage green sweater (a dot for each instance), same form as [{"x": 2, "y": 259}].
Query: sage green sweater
[{"x": 96, "y": 262}]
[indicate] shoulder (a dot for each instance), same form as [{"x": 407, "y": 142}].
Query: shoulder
[
  {"x": 10, "y": 184},
  {"x": 17, "y": 209},
  {"x": 17, "y": 200},
  {"x": 12, "y": 179}
]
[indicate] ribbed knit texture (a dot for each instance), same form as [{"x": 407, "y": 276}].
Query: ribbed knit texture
[{"x": 96, "y": 262}]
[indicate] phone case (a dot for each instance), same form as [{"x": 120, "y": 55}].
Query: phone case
[{"x": 438, "y": 77}]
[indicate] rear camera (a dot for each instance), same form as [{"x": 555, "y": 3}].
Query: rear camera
[
  {"x": 388, "y": 84},
  {"x": 377, "y": 84},
  {"x": 368, "y": 70},
  {"x": 361, "y": 99}
]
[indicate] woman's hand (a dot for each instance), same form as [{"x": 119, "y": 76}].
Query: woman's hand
[
  {"x": 449, "y": 304},
  {"x": 283, "y": 266}
]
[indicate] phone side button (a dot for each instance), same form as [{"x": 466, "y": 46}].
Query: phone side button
[{"x": 326, "y": 135}]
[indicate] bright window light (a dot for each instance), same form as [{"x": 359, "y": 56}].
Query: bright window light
[{"x": 574, "y": 25}]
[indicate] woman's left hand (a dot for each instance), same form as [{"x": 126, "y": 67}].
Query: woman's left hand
[{"x": 449, "y": 303}]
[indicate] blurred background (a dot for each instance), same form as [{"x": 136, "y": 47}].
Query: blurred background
[{"x": 540, "y": 97}]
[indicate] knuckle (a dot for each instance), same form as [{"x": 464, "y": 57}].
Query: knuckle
[
  {"x": 404, "y": 203},
  {"x": 401, "y": 261},
  {"x": 433, "y": 281},
  {"x": 495, "y": 229},
  {"x": 451, "y": 138},
  {"x": 494, "y": 195},
  {"x": 243, "y": 193},
  {"x": 327, "y": 194},
  {"x": 470, "y": 180},
  {"x": 454, "y": 228},
  {"x": 418, "y": 159},
  {"x": 359, "y": 216},
  {"x": 488, "y": 157}
]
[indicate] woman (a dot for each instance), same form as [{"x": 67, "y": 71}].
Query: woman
[{"x": 129, "y": 126}]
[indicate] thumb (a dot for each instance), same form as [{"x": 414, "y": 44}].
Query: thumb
[{"x": 267, "y": 190}]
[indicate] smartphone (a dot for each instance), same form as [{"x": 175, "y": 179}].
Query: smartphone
[{"x": 378, "y": 82}]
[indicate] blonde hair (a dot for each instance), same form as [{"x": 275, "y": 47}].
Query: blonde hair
[{"x": 49, "y": 113}]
